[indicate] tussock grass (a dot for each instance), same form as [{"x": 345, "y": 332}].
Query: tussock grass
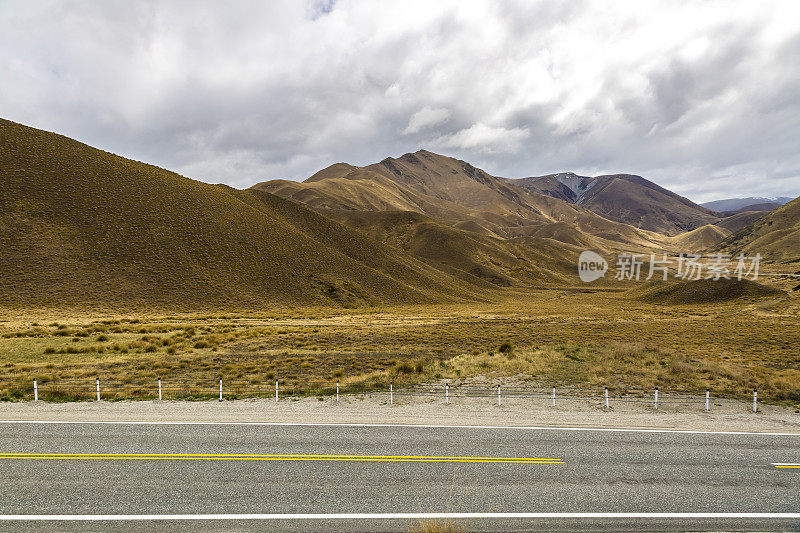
[{"x": 578, "y": 339}]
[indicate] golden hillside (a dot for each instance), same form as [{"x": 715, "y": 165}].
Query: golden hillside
[{"x": 83, "y": 226}]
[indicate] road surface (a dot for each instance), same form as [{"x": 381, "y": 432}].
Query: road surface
[{"x": 281, "y": 477}]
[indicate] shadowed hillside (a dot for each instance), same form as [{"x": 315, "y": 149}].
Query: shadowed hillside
[
  {"x": 82, "y": 226},
  {"x": 704, "y": 291}
]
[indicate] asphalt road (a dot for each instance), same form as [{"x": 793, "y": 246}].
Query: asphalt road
[{"x": 599, "y": 472}]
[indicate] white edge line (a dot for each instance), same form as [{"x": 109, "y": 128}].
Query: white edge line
[
  {"x": 391, "y": 516},
  {"x": 785, "y": 464},
  {"x": 379, "y": 425}
]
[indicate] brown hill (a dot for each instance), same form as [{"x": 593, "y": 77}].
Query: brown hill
[
  {"x": 625, "y": 198},
  {"x": 737, "y": 221},
  {"x": 704, "y": 291},
  {"x": 81, "y": 226},
  {"x": 699, "y": 239},
  {"x": 776, "y": 235}
]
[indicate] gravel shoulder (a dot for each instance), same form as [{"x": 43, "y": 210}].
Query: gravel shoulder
[{"x": 725, "y": 415}]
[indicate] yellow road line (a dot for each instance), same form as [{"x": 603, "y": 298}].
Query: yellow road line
[
  {"x": 786, "y": 466},
  {"x": 281, "y": 457}
]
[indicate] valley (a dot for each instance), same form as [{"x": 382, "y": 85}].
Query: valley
[{"x": 413, "y": 270}]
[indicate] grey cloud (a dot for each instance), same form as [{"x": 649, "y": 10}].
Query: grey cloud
[{"x": 251, "y": 91}]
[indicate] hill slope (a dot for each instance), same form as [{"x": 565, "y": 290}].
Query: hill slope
[
  {"x": 776, "y": 235},
  {"x": 704, "y": 291},
  {"x": 699, "y": 239},
  {"x": 82, "y": 226}
]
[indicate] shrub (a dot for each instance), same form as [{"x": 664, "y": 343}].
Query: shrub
[
  {"x": 404, "y": 368},
  {"x": 506, "y": 348}
]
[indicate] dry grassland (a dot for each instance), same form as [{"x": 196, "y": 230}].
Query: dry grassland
[{"x": 567, "y": 338}]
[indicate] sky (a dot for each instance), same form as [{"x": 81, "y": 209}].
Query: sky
[{"x": 701, "y": 97}]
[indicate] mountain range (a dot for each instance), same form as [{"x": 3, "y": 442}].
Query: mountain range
[
  {"x": 80, "y": 226},
  {"x": 752, "y": 203}
]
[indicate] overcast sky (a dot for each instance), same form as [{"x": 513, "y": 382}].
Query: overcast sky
[{"x": 701, "y": 97}]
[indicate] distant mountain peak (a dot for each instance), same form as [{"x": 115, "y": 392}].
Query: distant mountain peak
[{"x": 624, "y": 198}]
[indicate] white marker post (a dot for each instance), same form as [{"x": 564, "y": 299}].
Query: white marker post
[
  {"x": 606, "y": 394},
  {"x": 554, "y": 396},
  {"x": 446, "y": 393},
  {"x": 98, "y": 388},
  {"x": 755, "y": 401},
  {"x": 708, "y": 394},
  {"x": 276, "y": 391},
  {"x": 159, "y": 389},
  {"x": 498, "y": 395},
  {"x": 655, "y": 405},
  {"x": 220, "y": 389},
  {"x": 35, "y": 391},
  {"x": 391, "y": 393},
  {"x": 337, "y": 391}
]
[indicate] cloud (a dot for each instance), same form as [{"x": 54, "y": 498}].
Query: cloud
[
  {"x": 700, "y": 96},
  {"x": 426, "y": 117},
  {"x": 483, "y": 138}
]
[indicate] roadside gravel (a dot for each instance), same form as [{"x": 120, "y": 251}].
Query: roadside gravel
[{"x": 725, "y": 415}]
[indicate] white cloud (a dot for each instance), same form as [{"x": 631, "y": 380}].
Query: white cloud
[
  {"x": 426, "y": 117},
  {"x": 483, "y": 138},
  {"x": 241, "y": 92}
]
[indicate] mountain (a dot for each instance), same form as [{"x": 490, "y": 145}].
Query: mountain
[
  {"x": 459, "y": 218},
  {"x": 746, "y": 204},
  {"x": 624, "y": 198},
  {"x": 776, "y": 235},
  {"x": 440, "y": 187},
  {"x": 445, "y": 189},
  {"x": 80, "y": 226}
]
